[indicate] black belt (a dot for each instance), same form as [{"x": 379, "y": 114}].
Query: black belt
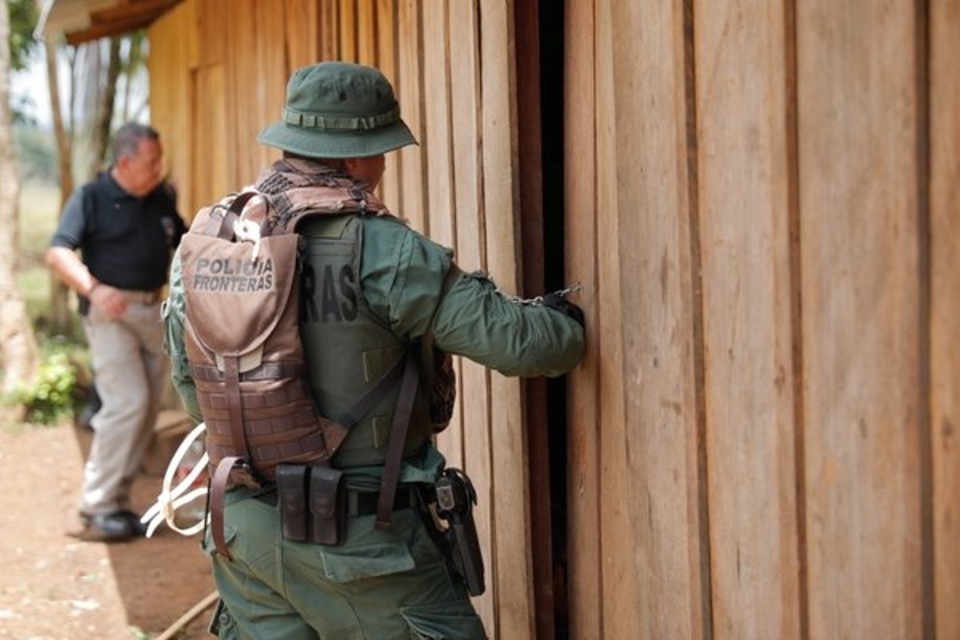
[{"x": 359, "y": 503}]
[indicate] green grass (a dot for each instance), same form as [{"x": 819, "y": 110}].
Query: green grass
[
  {"x": 39, "y": 210},
  {"x": 39, "y": 213},
  {"x": 34, "y": 284}
]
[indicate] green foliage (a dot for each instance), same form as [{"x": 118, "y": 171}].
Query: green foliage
[
  {"x": 23, "y": 20},
  {"x": 49, "y": 397},
  {"x": 137, "y": 633},
  {"x": 136, "y": 57}
]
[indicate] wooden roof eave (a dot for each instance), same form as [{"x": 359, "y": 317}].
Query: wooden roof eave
[{"x": 84, "y": 20}]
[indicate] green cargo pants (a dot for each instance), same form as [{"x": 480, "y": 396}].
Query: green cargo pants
[{"x": 378, "y": 585}]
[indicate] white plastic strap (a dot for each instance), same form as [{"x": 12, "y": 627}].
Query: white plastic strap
[
  {"x": 169, "y": 500},
  {"x": 248, "y": 230}
]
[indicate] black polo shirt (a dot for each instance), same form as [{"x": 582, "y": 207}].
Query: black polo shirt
[{"x": 125, "y": 241}]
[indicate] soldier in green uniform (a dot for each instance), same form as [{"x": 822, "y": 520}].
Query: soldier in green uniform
[{"x": 372, "y": 289}]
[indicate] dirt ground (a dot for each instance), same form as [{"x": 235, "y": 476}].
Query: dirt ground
[{"x": 53, "y": 587}]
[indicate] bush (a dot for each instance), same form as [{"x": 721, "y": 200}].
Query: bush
[{"x": 49, "y": 398}]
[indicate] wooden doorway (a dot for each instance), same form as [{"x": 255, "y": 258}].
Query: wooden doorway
[{"x": 539, "y": 59}]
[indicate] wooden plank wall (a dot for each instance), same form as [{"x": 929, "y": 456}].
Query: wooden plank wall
[
  {"x": 203, "y": 101},
  {"x": 455, "y": 83},
  {"x": 762, "y": 200}
]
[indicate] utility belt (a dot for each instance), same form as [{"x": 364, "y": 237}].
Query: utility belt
[
  {"x": 152, "y": 296},
  {"x": 148, "y": 298},
  {"x": 357, "y": 503},
  {"x": 315, "y": 506}
]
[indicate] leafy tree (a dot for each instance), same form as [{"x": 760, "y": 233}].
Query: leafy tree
[{"x": 23, "y": 20}]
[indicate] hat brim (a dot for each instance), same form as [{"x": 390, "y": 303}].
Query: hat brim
[{"x": 324, "y": 143}]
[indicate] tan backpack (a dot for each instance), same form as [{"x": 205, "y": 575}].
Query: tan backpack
[{"x": 243, "y": 343}]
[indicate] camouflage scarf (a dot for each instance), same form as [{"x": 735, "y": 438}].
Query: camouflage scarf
[{"x": 293, "y": 185}]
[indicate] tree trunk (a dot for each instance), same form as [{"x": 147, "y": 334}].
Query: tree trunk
[
  {"x": 87, "y": 98},
  {"x": 18, "y": 347},
  {"x": 59, "y": 293},
  {"x": 130, "y": 71},
  {"x": 105, "y": 109}
]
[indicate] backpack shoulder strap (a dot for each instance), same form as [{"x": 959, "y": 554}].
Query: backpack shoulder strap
[{"x": 398, "y": 438}]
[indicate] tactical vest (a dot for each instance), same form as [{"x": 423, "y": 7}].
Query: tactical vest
[
  {"x": 350, "y": 347},
  {"x": 253, "y": 288}
]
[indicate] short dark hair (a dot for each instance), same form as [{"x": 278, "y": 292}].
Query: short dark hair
[{"x": 128, "y": 137}]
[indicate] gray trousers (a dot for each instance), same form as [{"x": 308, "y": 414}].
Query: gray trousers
[{"x": 130, "y": 372}]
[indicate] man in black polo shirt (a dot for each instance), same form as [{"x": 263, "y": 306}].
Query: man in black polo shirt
[{"x": 126, "y": 225}]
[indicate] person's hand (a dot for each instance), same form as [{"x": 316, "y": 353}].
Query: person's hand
[
  {"x": 108, "y": 298},
  {"x": 559, "y": 302}
]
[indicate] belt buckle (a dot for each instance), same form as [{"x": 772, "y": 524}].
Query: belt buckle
[{"x": 242, "y": 475}]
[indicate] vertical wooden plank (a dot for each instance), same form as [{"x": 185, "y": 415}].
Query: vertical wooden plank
[
  {"x": 329, "y": 29},
  {"x": 474, "y": 387},
  {"x": 436, "y": 84},
  {"x": 743, "y": 194},
  {"x": 348, "y": 30},
  {"x": 302, "y": 18},
  {"x": 189, "y": 33},
  {"x": 271, "y": 85},
  {"x": 243, "y": 58},
  {"x": 858, "y": 197},
  {"x": 580, "y": 197},
  {"x": 211, "y": 37},
  {"x": 209, "y": 133},
  {"x": 511, "y": 524},
  {"x": 170, "y": 98},
  {"x": 412, "y": 161},
  {"x": 367, "y": 32},
  {"x": 441, "y": 208},
  {"x": 618, "y": 540},
  {"x": 657, "y": 294},
  {"x": 387, "y": 62},
  {"x": 945, "y": 309}
]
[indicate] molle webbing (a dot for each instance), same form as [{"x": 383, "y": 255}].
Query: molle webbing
[
  {"x": 243, "y": 345},
  {"x": 242, "y": 335}
]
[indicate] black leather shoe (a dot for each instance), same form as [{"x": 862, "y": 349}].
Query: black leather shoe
[
  {"x": 106, "y": 527},
  {"x": 137, "y": 528}
]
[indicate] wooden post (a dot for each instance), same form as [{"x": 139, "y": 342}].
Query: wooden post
[
  {"x": 473, "y": 388},
  {"x": 583, "y": 456},
  {"x": 744, "y": 234},
  {"x": 655, "y": 146},
  {"x": 858, "y": 233},
  {"x": 499, "y": 134}
]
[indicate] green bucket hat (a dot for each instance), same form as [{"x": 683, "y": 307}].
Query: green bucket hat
[{"x": 338, "y": 110}]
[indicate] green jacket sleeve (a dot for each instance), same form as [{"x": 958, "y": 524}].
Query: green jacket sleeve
[
  {"x": 405, "y": 282},
  {"x": 173, "y": 317},
  {"x": 514, "y": 337}
]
